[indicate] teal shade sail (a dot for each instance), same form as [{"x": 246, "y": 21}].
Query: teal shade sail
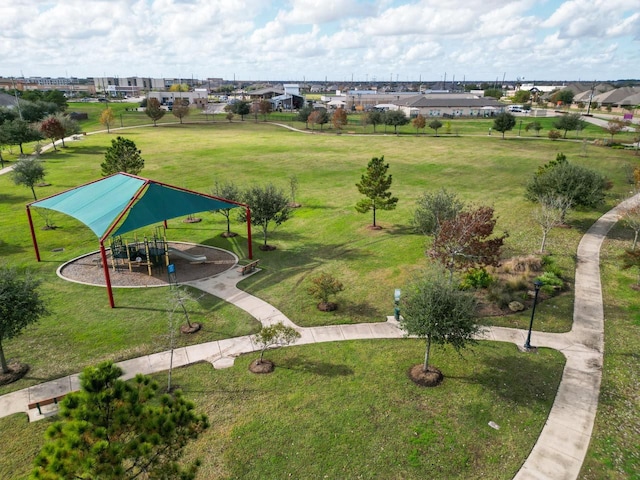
[{"x": 102, "y": 204}]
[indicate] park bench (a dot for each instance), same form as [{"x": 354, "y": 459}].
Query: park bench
[
  {"x": 249, "y": 267},
  {"x": 42, "y": 403}
]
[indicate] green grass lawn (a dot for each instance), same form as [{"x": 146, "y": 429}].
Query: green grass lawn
[
  {"x": 349, "y": 410},
  {"x": 614, "y": 452},
  {"x": 326, "y": 234}
]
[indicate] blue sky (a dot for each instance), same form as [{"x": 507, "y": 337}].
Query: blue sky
[{"x": 317, "y": 39}]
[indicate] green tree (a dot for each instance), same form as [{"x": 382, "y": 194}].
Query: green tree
[
  {"x": 154, "y": 110},
  {"x": 107, "y": 117},
  {"x": 432, "y": 209},
  {"x": 521, "y": 96},
  {"x": 419, "y": 123},
  {"x": 303, "y": 114},
  {"x": 21, "y": 304},
  {"x": 535, "y": 126},
  {"x": 114, "y": 429},
  {"x": 269, "y": 205},
  {"x": 395, "y": 118},
  {"x": 122, "y": 156},
  {"x": 227, "y": 191},
  {"x": 57, "y": 97},
  {"x": 436, "y": 310},
  {"x": 375, "y": 118},
  {"x": 569, "y": 121},
  {"x": 339, "y": 118},
  {"x": 28, "y": 171},
  {"x": 504, "y": 122},
  {"x": 435, "y": 125},
  {"x": 493, "y": 92},
  {"x": 276, "y": 335},
  {"x": 181, "y": 108},
  {"x": 374, "y": 185},
  {"x": 19, "y": 132},
  {"x": 562, "y": 97},
  {"x": 322, "y": 287},
  {"x": 33, "y": 112},
  {"x": 241, "y": 108},
  {"x": 579, "y": 185},
  {"x": 53, "y": 129}
]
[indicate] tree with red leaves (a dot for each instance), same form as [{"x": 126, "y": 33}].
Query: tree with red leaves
[
  {"x": 52, "y": 128},
  {"x": 467, "y": 241}
]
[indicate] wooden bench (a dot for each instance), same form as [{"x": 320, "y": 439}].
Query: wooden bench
[
  {"x": 249, "y": 267},
  {"x": 47, "y": 401}
]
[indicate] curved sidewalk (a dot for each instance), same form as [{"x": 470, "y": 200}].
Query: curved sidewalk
[{"x": 562, "y": 445}]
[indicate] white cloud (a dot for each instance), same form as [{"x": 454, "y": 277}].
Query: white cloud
[{"x": 314, "y": 38}]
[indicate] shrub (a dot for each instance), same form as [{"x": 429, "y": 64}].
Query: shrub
[
  {"x": 498, "y": 295},
  {"x": 550, "y": 282},
  {"x": 549, "y": 265},
  {"x": 323, "y": 286},
  {"x": 554, "y": 134},
  {"x": 476, "y": 278}
]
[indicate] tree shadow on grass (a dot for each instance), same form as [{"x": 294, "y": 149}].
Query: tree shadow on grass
[
  {"x": 315, "y": 367},
  {"x": 517, "y": 377},
  {"x": 361, "y": 309},
  {"x": 71, "y": 150}
]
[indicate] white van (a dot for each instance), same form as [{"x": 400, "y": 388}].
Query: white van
[{"x": 515, "y": 108}]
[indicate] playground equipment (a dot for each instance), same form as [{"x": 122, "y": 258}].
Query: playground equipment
[
  {"x": 150, "y": 253},
  {"x": 186, "y": 256}
]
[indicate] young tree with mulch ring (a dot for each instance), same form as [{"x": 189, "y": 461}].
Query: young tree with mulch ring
[
  {"x": 436, "y": 310},
  {"x": 21, "y": 304},
  {"x": 228, "y": 191},
  {"x": 322, "y": 287},
  {"x": 276, "y": 335}
]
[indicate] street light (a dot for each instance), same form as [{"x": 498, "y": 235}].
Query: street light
[
  {"x": 396, "y": 300},
  {"x": 537, "y": 284}
]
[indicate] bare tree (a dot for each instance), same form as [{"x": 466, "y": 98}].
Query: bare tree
[
  {"x": 631, "y": 218},
  {"x": 549, "y": 214}
]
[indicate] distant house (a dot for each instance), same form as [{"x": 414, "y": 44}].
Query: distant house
[
  {"x": 198, "y": 98},
  {"x": 450, "y": 105}
]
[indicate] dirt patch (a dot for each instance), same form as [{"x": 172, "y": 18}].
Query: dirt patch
[
  {"x": 264, "y": 366},
  {"x": 431, "y": 378},
  {"x": 16, "y": 371},
  {"x": 88, "y": 269}
]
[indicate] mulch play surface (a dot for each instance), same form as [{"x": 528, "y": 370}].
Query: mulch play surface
[{"x": 88, "y": 269}]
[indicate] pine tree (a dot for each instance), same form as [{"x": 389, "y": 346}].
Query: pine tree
[
  {"x": 374, "y": 185},
  {"x": 114, "y": 429}
]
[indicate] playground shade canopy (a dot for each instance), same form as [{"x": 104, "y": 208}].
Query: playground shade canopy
[{"x": 102, "y": 205}]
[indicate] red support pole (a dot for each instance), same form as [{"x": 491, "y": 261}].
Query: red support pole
[
  {"x": 249, "y": 233},
  {"x": 165, "y": 225},
  {"x": 33, "y": 234},
  {"x": 107, "y": 277}
]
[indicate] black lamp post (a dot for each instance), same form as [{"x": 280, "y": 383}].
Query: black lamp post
[{"x": 537, "y": 284}]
